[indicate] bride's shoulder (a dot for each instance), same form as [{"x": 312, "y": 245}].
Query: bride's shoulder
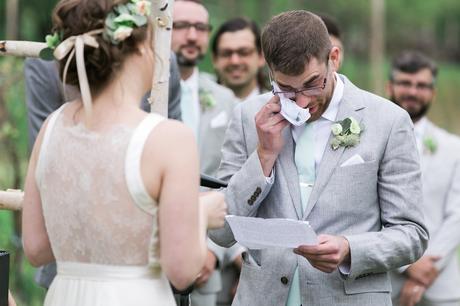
[{"x": 168, "y": 137}]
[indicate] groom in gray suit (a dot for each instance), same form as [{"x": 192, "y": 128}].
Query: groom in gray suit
[
  {"x": 434, "y": 279},
  {"x": 351, "y": 171}
]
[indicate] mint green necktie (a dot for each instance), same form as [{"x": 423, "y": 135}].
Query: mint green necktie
[
  {"x": 305, "y": 163},
  {"x": 189, "y": 116}
]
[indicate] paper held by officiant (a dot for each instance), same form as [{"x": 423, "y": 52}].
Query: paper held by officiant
[{"x": 259, "y": 233}]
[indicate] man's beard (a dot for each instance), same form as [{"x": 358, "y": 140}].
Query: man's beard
[
  {"x": 188, "y": 62},
  {"x": 415, "y": 115}
]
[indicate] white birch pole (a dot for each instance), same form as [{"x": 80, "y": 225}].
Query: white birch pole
[
  {"x": 11, "y": 199},
  {"x": 21, "y": 48},
  {"x": 162, "y": 23}
]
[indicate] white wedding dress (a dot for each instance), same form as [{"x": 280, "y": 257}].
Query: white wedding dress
[{"x": 102, "y": 224}]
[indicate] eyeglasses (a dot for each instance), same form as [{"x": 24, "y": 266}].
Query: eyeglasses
[
  {"x": 307, "y": 91},
  {"x": 185, "y": 25},
  {"x": 421, "y": 86},
  {"x": 242, "y": 52}
]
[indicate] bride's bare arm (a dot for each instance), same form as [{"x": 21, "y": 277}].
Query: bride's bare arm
[
  {"x": 35, "y": 239},
  {"x": 171, "y": 148}
]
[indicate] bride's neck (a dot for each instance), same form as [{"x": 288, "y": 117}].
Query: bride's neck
[
  {"x": 127, "y": 88},
  {"x": 122, "y": 96}
]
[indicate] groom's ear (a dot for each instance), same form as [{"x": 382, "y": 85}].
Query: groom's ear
[{"x": 334, "y": 56}]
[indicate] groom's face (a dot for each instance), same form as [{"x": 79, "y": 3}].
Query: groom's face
[{"x": 311, "y": 89}]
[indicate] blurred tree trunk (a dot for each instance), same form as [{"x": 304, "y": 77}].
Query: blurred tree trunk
[
  {"x": 12, "y": 26},
  {"x": 377, "y": 45},
  {"x": 12, "y": 7}
]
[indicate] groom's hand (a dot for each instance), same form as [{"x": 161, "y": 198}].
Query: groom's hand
[
  {"x": 328, "y": 254},
  {"x": 269, "y": 124}
]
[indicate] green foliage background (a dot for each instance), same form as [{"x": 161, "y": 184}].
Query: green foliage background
[{"x": 431, "y": 26}]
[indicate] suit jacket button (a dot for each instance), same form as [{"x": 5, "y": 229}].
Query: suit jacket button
[
  {"x": 284, "y": 280},
  {"x": 250, "y": 202},
  {"x": 258, "y": 190}
]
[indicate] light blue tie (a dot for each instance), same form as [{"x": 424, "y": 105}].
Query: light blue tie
[
  {"x": 305, "y": 163},
  {"x": 189, "y": 115}
]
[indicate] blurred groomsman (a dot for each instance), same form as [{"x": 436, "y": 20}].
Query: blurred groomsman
[
  {"x": 206, "y": 108},
  {"x": 435, "y": 278},
  {"x": 335, "y": 36},
  {"x": 237, "y": 58}
]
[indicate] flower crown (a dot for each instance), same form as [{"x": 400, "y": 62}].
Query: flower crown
[{"x": 119, "y": 24}]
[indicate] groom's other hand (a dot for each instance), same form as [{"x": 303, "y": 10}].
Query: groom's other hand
[
  {"x": 269, "y": 124},
  {"x": 207, "y": 270},
  {"x": 328, "y": 254}
]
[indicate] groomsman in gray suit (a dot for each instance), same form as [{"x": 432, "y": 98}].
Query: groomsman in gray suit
[
  {"x": 434, "y": 279},
  {"x": 44, "y": 94},
  {"x": 352, "y": 171},
  {"x": 206, "y": 108}
]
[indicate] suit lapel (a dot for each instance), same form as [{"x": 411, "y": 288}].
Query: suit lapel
[
  {"x": 349, "y": 107},
  {"x": 287, "y": 165}
]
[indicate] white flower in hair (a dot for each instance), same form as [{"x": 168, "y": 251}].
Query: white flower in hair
[
  {"x": 122, "y": 32},
  {"x": 143, "y": 7}
]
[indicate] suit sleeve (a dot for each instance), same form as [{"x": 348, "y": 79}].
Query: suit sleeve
[
  {"x": 247, "y": 185},
  {"x": 43, "y": 93},
  {"x": 446, "y": 240},
  {"x": 403, "y": 238}
]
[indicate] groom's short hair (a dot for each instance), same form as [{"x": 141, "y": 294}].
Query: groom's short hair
[{"x": 291, "y": 39}]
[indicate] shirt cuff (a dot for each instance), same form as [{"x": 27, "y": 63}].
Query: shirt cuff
[
  {"x": 271, "y": 179},
  {"x": 344, "y": 269},
  {"x": 402, "y": 269}
]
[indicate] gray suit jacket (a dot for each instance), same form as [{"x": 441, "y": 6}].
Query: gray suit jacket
[
  {"x": 44, "y": 94},
  {"x": 213, "y": 123},
  {"x": 375, "y": 205},
  {"x": 441, "y": 199}
]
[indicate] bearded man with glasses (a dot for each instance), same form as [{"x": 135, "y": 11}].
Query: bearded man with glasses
[
  {"x": 321, "y": 150},
  {"x": 433, "y": 279}
]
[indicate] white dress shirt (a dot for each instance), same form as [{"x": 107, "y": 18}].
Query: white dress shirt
[
  {"x": 322, "y": 126},
  {"x": 419, "y": 130},
  {"x": 192, "y": 84}
]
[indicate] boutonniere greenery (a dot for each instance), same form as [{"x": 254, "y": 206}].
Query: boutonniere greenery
[
  {"x": 207, "y": 100},
  {"x": 430, "y": 145},
  {"x": 346, "y": 133}
]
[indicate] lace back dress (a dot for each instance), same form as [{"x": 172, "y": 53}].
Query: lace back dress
[{"x": 101, "y": 221}]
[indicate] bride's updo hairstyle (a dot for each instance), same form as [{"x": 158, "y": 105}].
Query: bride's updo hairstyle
[{"x": 75, "y": 17}]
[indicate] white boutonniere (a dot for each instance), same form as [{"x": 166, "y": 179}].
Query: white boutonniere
[
  {"x": 430, "y": 144},
  {"x": 346, "y": 133},
  {"x": 207, "y": 100}
]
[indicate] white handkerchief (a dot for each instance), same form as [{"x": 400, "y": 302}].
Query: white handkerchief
[
  {"x": 219, "y": 120},
  {"x": 354, "y": 160},
  {"x": 291, "y": 111}
]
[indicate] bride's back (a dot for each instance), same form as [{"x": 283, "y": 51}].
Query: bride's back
[{"x": 89, "y": 213}]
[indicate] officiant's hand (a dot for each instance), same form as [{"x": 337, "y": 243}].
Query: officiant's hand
[
  {"x": 424, "y": 270},
  {"x": 208, "y": 269},
  {"x": 328, "y": 254},
  {"x": 270, "y": 123},
  {"x": 214, "y": 208},
  {"x": 411, "y": 293}
]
